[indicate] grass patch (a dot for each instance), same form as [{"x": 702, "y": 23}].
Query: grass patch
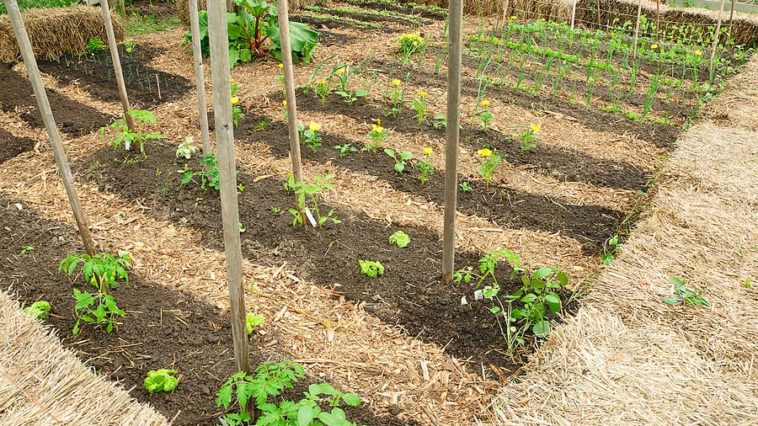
[
  {"x": 38, "y": 4},
  {"x": 136, "y": 25}
]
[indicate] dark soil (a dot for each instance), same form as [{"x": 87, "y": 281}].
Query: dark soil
[
  {"x": 146, "y": 86},
  {"x": 11, "y": 146},
  {"x": 508, "y": 207},
  {"x": 72, "y": 117},
  {"x": 404, "y": 8},
  {"x": 410, "y": 293},
  {"x": 366, "y": 17},
  {"x": 164, "y": 328},
  {"x": 319, "y": 24}
]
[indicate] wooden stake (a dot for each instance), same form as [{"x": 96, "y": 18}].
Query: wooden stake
[
  {"x": 731, "y": 18},
  {"x": 289, "y": 83},
  {"x": 637, "y": 29},
  {"x": 47, "y": 117},
  {"x": 222, "y": 105},
  {"x": 455, "y": 17},
  {"x": 113, "y": 47},
  {"x": 573, "y": 13},
  {"x": 657, "y": 20},
  {"x": 716, "y": 38},
  {"x": 599, "y": 17},
  {"x": 506, "y": 17},
  {"x": 197, "y": 59}
]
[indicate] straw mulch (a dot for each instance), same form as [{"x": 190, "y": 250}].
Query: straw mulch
[
  {"x": 43, "y": 384},
  {"x": 548, "y": 9},
  {"x": 56, "y": 32},
  {"x": 629, "y": 358}
]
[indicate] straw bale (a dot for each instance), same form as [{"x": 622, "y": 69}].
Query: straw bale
[
  {"x": 41, "y": 383},
  {"x": 56, "y": 32},
  {"x": 629, "y": 358},
  {"x": 182, "y": 7}
]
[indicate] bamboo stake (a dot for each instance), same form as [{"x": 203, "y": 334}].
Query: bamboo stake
[
  {"x": 222, "y": 105},
  {"x": 289, "y": 83},
  {"x": 599, "y": 17},
  {"x": 573, "y": 13},
  {"x": 505, "y": 12},
  {"x": 716, "y": 38},
  {"x": 197, "y": 59},
  {"x": 451, "y": 150},
  {"x": 43, "y": 104},
  {"x": 731, "y": 17},
  {"x": 657, "y": 20},
  {"x": 637, "y": 29},
  {"x": 113, "y": 47}
]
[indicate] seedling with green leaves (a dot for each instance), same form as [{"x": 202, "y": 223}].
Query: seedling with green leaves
[
  {"x": 400, "y": 239},
  {"x": 345, "y": 149},
  {"x": 611, "y": 250},
  {"x": 253, "y": 320},
  {"x": 307, "y": 199},
  {"x": 684, "y": 295},
  {"x": 134, "y": 137},
  {"x": 95, "y": 44},
  {"x": 97, "y": 309},
  {"x": 187, "y": 148},
  {"x": 400, "y": 160},
  {"x": 209, "y": 174},
  {"x": 371, "y": 268},
  {"x": 38, "y": 310},
  {"x": 103, "y": 270},
  {"x": 424, "y": 166},
  {"x": 265, "y": 387},
  {"x": 162, "y": 380},
  {"x": 464, "y": 186},
  {"x": 311, "y": 135},
  {"x": 378, "y": 134},
  {"x": 28, "y": 249}
]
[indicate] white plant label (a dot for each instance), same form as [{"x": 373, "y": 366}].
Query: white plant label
[
  {"x": 478, "y": 295},
  {"x": 311, "y": 219},
  {"x": 464, "y": 301}
]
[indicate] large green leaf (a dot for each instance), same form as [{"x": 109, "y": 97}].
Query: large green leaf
[{"x": 303, "y": 40}]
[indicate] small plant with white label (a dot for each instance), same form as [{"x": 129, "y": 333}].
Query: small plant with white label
[{"x": 307, "y": 200}]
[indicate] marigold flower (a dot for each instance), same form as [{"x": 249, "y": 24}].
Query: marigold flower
[
  {"x": 698, "y": 53},
  {"x": 484, "y": 103},
  {"x": 422, "y": 94},
  {"x": 535, "y": 128},
  {"x": 322, "y": 83},
  {"x": 281, "y": 67},
  {"x": 314, "y": 127},
  {"x": 340, "y": 71},
  {"x": 235, "y": 100},
  {"x": 284, "y": 103},
  {"x": 484, "y": 152},
  {"x": 377, "y": 128},
  {"x": 396, "y": 83},
  {"x": 428, "y": 150},
  {"x": 653, "y": 46}
]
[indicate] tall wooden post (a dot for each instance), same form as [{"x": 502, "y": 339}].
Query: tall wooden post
[
  {"x": 289, "y": 83},
  {"x": 455, "y": 17},
  {"x": 197, "y": 58},
  {"x": 47, "y": 117},
  {"x": 113, "y": 47},
  {"x": 599, "y": 17},
  {"x": 573, "y": 13},
  {"x": 716, "y": 38},
  {"x": 222, "y": 105},
  {"x": 731, "y": 18},
  {"x": 657, "y": 20},
  {"x": 506, "y": 17},
  {"x": 637, "y": 29}
]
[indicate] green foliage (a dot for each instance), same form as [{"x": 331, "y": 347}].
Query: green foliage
[
  {"x": 464, "y": 187},
  {"x": 137, "y": 24},
  {"x": 252, "y": 321},
  {"x": 612, "y": 248},
  {"x": 27, "y": 250},
  {"x": 439, "y": 121},
  {"x": 100, "y": 270},
  {"x": 531, "y": 307},
  {"x": 684, "y": 295},
  {"x": 424, "y": 166},
  {"x": 38, "y": 310},
  {"x": 237, "y": 112},
  {"x": 209, "y": 174},
  {"x": 95, "y": 44},
  {"x": 307, "y": 199},
  {"x": 162, "y": 380},
  {"x": 485, "y": 115},
  {"x": 38, "y": 4},
  {"x": 137, "y": 136},
  {"x": 254, "y": 32},
  {"x": 311, "y": 135},
  {"x": 187, "y": 148},
  {"x": 264, "y": 388},
  {"x": 400, "y": 159},
  {"x": 371, "y": 268},
  {"x": 351, "y": 96},
  {"x": 400, "y": 239},
  {"x": 489, "y": 162},
  {"x": 410, "y": 44},
  {"x": 98, "y": 309},
  {"x": 377, "y": 135},
  {"x": 420, "y": 105},
  {"x": 345, "y": 150},
  {"x": 395, "y": 95}
]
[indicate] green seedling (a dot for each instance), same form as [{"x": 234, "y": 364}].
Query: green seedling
[
  {"x": 162, "y": 380},
  {"x": 464, "y": 187},
  {"x": 345, "y": 150},
  {"x": 187, "y": 148},
  {"x": 27, "y": 250},
  {"x": 139, "y": 135},
  {"x": 252, "y": 321},
  {"x": 38, "y": 310},
  {"x": 612, "y": 249},
  {"x": 684, "y": 295},
  {"x": 307, "y": 199},
  {"x": 400, "y": 239},
  {"x": 371, "y": 268},
  {"x": 400, "y": 160}
]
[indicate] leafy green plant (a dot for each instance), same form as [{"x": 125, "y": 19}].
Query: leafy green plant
[
  {"x": 351, "y": 96},
  {"x": 400, "y": 239},
  {"x": 489, "y": 162},
  {"x": 209, "y": 174},
  {"x": 264, "y": 388},
  {"x": 161, "y": 380},
  {"x": 612, "y": 248},
  {"x": 95, "y": 44},
  {"x": 311, "y": 134},
  {"x": 439, "y": 121},
  {"x": 377, "y": 135},
  {"x": 129, "y": 46},
  {"x": 684, "y": 295},
  {"x": 252, "y": 321},
  {"x": 187, "y": 148},
  {"x": 424, "y": 166},
  {"x": 464, "y": 187},
  {"x": 485, "y": 115},
  {"x": 27, "y": 250},
  {"x": 323, "y": 89},
  {"x": 400, "y": 159},
  {"x": 139, "y": 135},
  {"x": 38, "y": 310},
  {"x": 529, "y": 138},
  {"x": 345, "y": 149},
  {"x": 410, "y": 44},
  {"x": 371, "y": 268},
  {"x": 96, "y": 309},
  {"x": 237, "y": 112},
  {"x": 100, "y": 270},
  {"x": 420, "y": 105},
  {"x": 254, "y": 32},
  {"x": 307, "y": 200},
  {"x": 395, "y": 95}
]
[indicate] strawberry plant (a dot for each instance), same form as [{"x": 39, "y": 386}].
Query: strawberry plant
[
  {"x": 307, "y": 200},
  {"x": 264, "y": 387},
  {"x": 162, "y": 380},
  {"x": 684, "y": 295},
  {"x": 371, "y": 268},
  {"x": 139, "y": 135},
  {"x": 38, "y": 310},
  {"x": 400, "y": 239},
  {"x": 400, "y": 159},
  {"x": 252, "y": 321}
]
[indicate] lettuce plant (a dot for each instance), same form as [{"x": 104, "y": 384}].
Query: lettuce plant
[
  {"x": 38, "y": 310},
  {"x": 400, "y": 239},
  {"x": 162, "y": 380},
  {"x": 371, "y": 268}
]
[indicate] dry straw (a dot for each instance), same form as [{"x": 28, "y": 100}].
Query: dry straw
[
  {"x": 56, "y": 32},
  {"x": 628, "y": 358},
  {"x": 43, "y": 384}
]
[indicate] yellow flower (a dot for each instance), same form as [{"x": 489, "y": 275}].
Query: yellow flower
[
  {"x": 231, "y": 80},
  {"x": 535, "y": 128},
  {"x": 698, "y": 53},
  {"x": 284, "y": 103},
  {"x": 513, "y": 18},
  {"x": 484, "y": 152},
  {"x": 377, "y": 128},
  {"x": 653, "y": 46},
  {"x": 314, "y": 127},
  {"x": 422, "y": 94},
  {"x": 281, "y": 67},
  {"x": 396, "y": 83},
  {"x": 235, "y": 100},
  {"x": 340, "y": 71},
  {"x": 322, "y": 83},
  {"x": 428, "y": 150},
  {"x": 484, "y": 103}
]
